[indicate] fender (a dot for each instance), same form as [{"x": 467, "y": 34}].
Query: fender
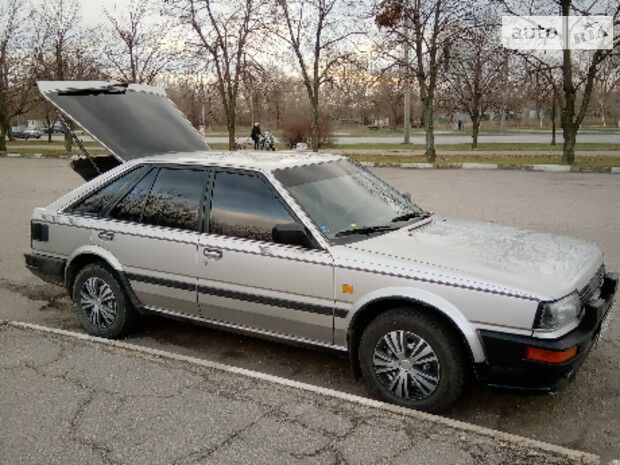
[
  {"x": 112, "y": 261},
  {"x": 90, "y": 249},
  {"x": 429, "y": 299}
]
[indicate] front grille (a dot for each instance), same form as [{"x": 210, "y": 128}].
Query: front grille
[{"x": 593, "y": 285}]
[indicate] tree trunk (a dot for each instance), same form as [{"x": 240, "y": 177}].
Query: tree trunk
[
  {"x": 230, "y": 119},
  {"x": 68, "y": 141},
  {"x": 3, "y": 139},
  {"x": 540, "y": 119},
  {"x": 502, "y": 124},
  {"x": 570, "y": 138},
  {"x": 315, "y": 126},
  {"x": 475, "y": 127},
  {"x": 569, "y": 128},
  {"x": 553, "y": 105},
  {"x": 427, "y": 116}
]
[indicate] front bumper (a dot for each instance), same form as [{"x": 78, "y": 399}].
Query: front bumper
[
  {"x": 507, "y": 367},
  {"x": 49, "y": 269}
]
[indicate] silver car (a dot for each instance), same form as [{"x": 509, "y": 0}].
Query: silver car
[{"x": 310, "y": 249}]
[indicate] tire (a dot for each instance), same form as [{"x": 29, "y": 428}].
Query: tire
[
  {"x": 101, "y": 303},
  {"x": 431, "y": 374}
]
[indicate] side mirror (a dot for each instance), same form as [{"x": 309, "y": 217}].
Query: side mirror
[
  {"x": 407, "y": 195},
  {"x": 291, "y": 234}
]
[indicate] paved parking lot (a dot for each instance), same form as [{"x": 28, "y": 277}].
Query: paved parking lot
[
  {"x": 137, "y": 408},
  {"x": 583, "y": 416}
]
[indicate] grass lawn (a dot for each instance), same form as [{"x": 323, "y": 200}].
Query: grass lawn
[
  {"x": 388, "y": 153},
  {"x": 491, "y": 147},
  {"x": 443, "y": 129},
  {"x": 595, "y": 161},
  {"x": 481, "y": 147}
]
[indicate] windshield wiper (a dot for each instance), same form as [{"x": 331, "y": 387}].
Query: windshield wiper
[
  {"x": 364, "y": 230},
  {"x": 410, "y": 215}
]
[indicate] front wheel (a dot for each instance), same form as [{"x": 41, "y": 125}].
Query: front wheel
[
  {"x": 101, "y": 304},
  {"x": 413, "y": 359}
]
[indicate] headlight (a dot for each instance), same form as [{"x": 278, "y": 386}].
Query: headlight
[{"x": 554, "y": 315}]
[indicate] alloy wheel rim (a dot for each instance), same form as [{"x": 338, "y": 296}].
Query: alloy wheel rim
[
  {"x": 406, "y": 365},
  {"x": 98, "y": 302}
]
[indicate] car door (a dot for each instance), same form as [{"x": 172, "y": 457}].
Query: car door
[
  {"x": 153, "y": 231},
  {"x": 245, "y": 279}
]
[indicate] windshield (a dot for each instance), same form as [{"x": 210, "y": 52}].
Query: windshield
[{"x": 343, "y": 198}]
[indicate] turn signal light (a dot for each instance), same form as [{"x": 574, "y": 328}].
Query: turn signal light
[
  {"x": 347, "y": 289},
  {"x": 550, "y": 356}
]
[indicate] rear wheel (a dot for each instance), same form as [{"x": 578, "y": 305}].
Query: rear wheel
[
  {"x": 412, "y": 358},
  {"x": 100, "y": 302}
]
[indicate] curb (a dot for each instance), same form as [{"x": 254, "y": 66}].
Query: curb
[
  {"x": 555, "y": 168},
  {"x": 417, "y": 165},
  {"x": 494, "y": 166},
  {"x": 558, "y": 451}
]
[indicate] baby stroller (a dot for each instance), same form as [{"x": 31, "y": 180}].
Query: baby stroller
[{"x": 267, "y": 142}]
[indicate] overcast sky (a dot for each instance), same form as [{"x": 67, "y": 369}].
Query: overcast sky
[{"x": 92, "y": 10}]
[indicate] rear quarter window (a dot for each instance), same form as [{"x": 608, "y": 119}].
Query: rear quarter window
[{"x": 94, "y": 203}]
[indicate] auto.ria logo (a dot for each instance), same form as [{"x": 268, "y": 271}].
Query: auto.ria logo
[{"x": 557, "y": 32}]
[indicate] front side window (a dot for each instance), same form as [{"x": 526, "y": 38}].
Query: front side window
[
  {"x": 175, "y": 199},
  {"x": 95, "y": 203},
  {"x": 342, "y": 198},
  {"x": 243, "y": 205}
]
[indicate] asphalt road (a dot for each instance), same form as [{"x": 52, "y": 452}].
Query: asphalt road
[
  {"x": 582, "y": 416},
  {"x": 440, "y": 139},
  {"x": 444, "y": 138}
]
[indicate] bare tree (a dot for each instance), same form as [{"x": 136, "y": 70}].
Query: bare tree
[
  {"x": 317, "y": 31},
  {"x": 475, "y": 70},
  {"x": 61, "y": 51},
  {"x": 278, "y": 88},
  {"x": 16, "y": 67},
  {"x": 388, "y": 97},
  {"x": 348, "y": 93},
  {"x": 224, "y": 31},
  {"x": 572, "y": 112},
  {"x": 578, "y": 70},
  {"x": 431, "y": 28},
  {"x": 136, "y": 48},
  {"x": 606, "y": 81}
]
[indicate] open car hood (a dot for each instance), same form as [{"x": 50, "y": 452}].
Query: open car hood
[{"x": 129, "y": 120}]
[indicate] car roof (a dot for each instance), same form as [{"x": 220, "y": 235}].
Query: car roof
[{"x": 256, "y": 160}]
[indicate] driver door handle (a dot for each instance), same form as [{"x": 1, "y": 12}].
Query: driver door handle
[
  {"x": 213, "y": 254},
  {"x": 106, "y": 235}
]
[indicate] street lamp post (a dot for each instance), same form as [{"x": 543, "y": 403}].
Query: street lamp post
[{"x": 407, "y": 109}]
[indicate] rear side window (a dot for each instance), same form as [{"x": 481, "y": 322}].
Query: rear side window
[
  {"x": 130, "y": 207},
  {"x": 95, "y": 203},
  {"x": 243, "y": 205},
  {"x": 175, "y": 199}
]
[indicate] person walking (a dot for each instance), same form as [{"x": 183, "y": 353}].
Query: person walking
[{"x": 256, "y": 134}]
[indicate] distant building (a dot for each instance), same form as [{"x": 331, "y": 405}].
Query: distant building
[
  {"x": 379, "y": 123},
  {"x": 35, "y": 124}
]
